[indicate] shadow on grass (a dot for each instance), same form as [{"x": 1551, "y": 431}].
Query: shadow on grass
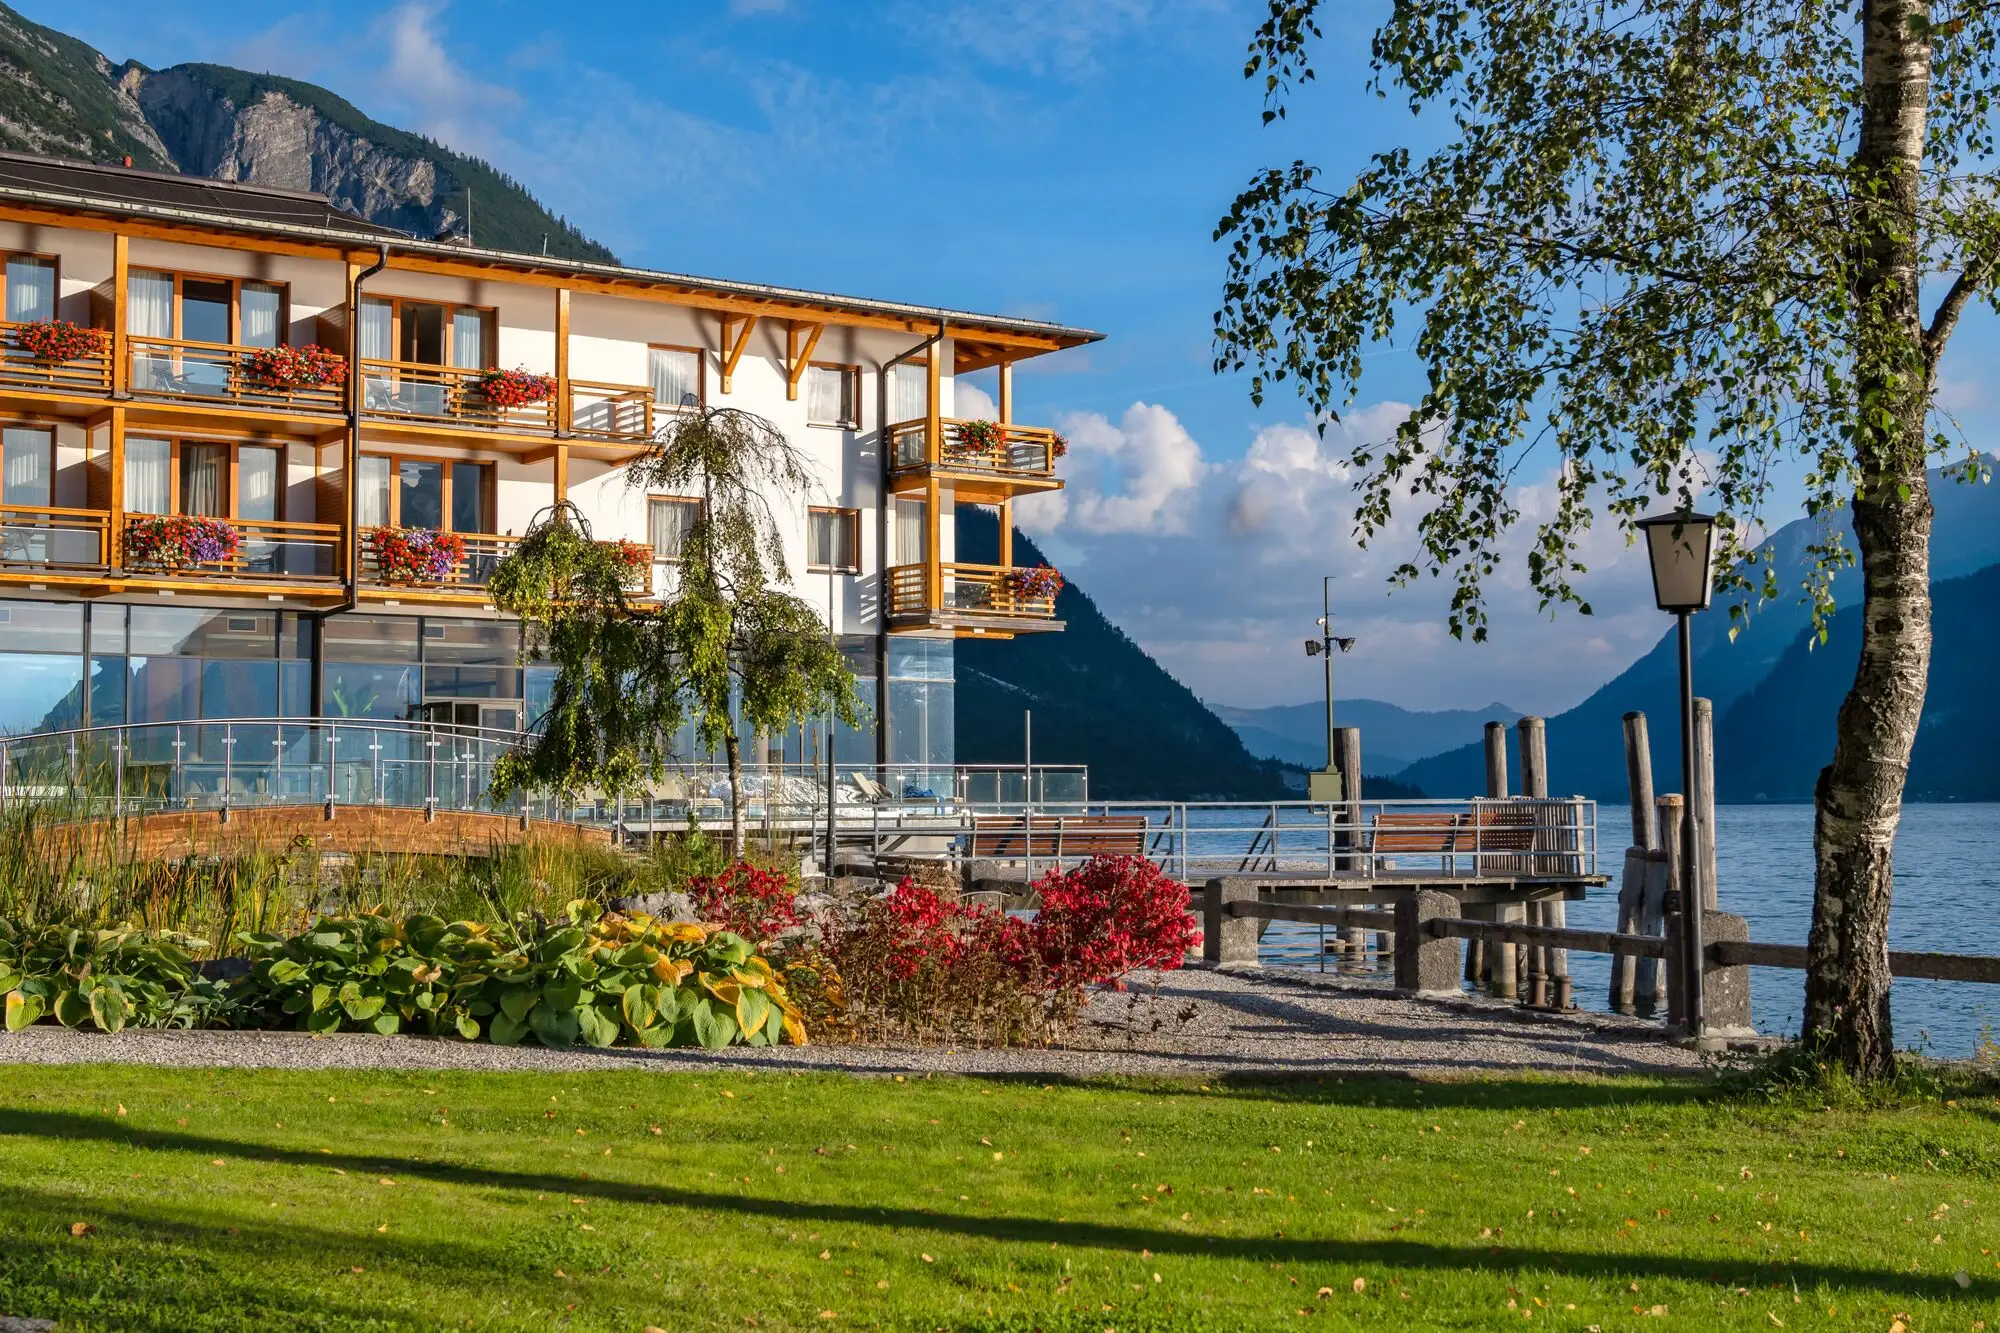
[{"x": 1399, "y": 1254}]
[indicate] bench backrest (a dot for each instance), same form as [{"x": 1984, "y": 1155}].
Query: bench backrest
[
  {"x": 999, "y": 836},
  {"x": 1438, "y": 832}
]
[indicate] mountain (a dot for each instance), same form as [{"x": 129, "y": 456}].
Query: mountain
[
  {"x": 1392, "y": 738},
  {"x": 1586, "y": 751},
  {"x": 1097, "y": 698},
  {"x": 1773, "y": 741},
  {"x": 60, "y": 97}
]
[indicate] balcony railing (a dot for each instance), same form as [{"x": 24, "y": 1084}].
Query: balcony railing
[
  {"x": 973, "y": 591},
  {"x": 610, "y": 411},
  {"x": 42, "y": 537},
  {"x": 22, "y": 369},
  {"x": 218, "y": 373},
  {"x": 272, "y": 550},
  {"x": 1023, "y": 452},
  {"x": 483, "y": 552},
  {"x": 404, "y": 389}
]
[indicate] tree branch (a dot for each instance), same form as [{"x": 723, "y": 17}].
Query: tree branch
[{"x": 1945, "y": 319}]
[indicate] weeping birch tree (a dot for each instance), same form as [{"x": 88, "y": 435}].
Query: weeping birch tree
[
  {"x": 632, "y": 671},
  {"x": 1670, "y": 249}
]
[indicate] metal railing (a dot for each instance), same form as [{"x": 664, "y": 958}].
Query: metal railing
[{"x": 219, "y": 373}]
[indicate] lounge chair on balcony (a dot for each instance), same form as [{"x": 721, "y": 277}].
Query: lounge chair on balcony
[{"x": 872, "y": 792}]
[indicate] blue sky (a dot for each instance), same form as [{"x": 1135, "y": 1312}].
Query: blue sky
[{"x": 1065, "y": 159}]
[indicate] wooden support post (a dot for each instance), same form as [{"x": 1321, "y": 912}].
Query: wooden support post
[
  {"x": 798, "y": 358},
  {"x": 1631, "y": 890},
  {"x": 1007, "y": 533},
  {"x": 1725, "y": 989},
  {"x": 560, "y": 458},
  {"x": 1006, "y": 404},
  {"x": 933, "y": 453},
  {"x": 565, "y": 409},
  {"x": 734, "y": 347},
  {"x": 1230, "y": 940},
  {"x": 1347, "y": 758},
  {"x": 1501, "y": 961},
  {"x": 114, "y": 538},
  {"x": 1672, "y": 811},
  {"x": 1701, "y": 801},
  {"x": 1426, "y": 964},
  {"x": 121, "y": 361},
  {"x": 1535, "y": 783}
]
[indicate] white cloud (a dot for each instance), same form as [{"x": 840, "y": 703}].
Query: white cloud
[
  {"x": 1040, "y": 37},
  {"x": 448, "y": 103},
  {"x": 1140, "y": 475}
]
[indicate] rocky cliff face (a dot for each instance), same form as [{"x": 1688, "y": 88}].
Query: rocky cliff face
[{"x": 60, "y": 97}]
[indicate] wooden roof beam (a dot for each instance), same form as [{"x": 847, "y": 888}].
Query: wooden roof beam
[
  {"x": 732, "y": 353},
  {"x": 798, "y": 359}
]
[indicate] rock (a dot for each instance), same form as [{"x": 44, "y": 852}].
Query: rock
[
  {"x": 659, "y": 906},
  {"x": 16, "y": 1324}
]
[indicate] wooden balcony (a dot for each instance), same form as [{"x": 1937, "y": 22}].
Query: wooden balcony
[
  {"x": 176, "y": 370},
  {"x": 49, "y": 540},
  {"x": 615, "y": 412},
  {"x": 21, "y": 369},
  {"x": 968, "y": 599},
  {"x": 305, "y": 555},
  {"x": 1022, "y": 460},
  {"x": 51, "y": 545},
  {"x": 445, "y": 395},
  {"x": 467, "y": 579}
]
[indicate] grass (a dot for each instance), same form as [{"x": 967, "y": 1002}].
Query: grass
[{"x": 343, "y": 1200}]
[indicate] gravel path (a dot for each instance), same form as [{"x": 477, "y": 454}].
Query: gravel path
[{"x": 1198, "y": 1021}]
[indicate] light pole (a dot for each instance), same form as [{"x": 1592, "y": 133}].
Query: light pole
[
  {"x": 1324, "y": 787},
  {"x": 1681, "y": 547}
]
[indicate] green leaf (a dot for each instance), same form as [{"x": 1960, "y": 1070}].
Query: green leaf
[
  {"x": 72, "y": 1009},
  {"x": 284, "y": 971},
  {"x": 597, "y": 1025},
  {"x": 516, "y": 1001},
  {"x": 561, "y": 943},
  {"x": 468, "y": 1027},
  {"x": 640, "y": 1005},
  {"x": 505, "y": 1031},
  {"x": 23, "y": 1010},
  {"x": 109, "y": 1009},
  {"x": 361, "y": 1007},
  {"x": 388, "y": 1023},
  {"x": 321, "y": 996},
  {"x": 324, "y": 1020},
  {"x": 713, "y": 1029},
  {"x": 562, "y": 994},
  {"x": 753, "y": 1007},
  {"x": 8, "y": 981},
  {"x": 557, "y": 1028}
]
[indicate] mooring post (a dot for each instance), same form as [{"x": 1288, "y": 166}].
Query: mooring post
[
  {"x": 1632, "y": 885},
  {"x": 1426, "y": 964},
  {"x": 1725, "y": 991},
  {"x": 1702, "y": 799},
  {"x": 1230, "y": 940},
  {"x": 1501, "y": 961},
  {"x": 1549, "y": 984},
  {"x": 1673, "y": 811},
  {"x": 1347, "y": 752}
]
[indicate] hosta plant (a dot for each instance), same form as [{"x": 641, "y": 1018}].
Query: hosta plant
[
  {"x": 103, "y": 979},
  {"x": 367, "y": 972}
]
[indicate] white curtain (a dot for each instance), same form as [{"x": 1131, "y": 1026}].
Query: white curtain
[
  {"x": 676, "y": 377},
  {"x": 149, "y": 304},
  {"x": 829, "y": 396},
  {"x": 203, "y": 467},
  {"x": 909, "y": 393},
  {"x": 375, "y": 330},
  {"x": 24, "y": 474},
  {"x": 667, "y": 524},
  {"x": 373, "y": 500},
  {"x": 261, "y": 304},
  {"x": 149, "y": 476},
  {"x": 256, "y": 482},
  {"x": 909, "y": 532},
  {"x": 468, "y": 339},
  {"x": 31, "y": 289}
]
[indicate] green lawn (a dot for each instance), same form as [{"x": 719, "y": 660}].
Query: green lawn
[{"x": 294, "y": 1201}]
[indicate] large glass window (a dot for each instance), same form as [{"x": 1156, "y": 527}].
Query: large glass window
[
  {"x": 31, "y": 288},
  {"x": 909, "y": 392},
  {"x": 471, "y": 335},
  {"x": 676, "y": 376},
  {"x": 204, "y": 473},
  {"x": 261, "y": 309},
  {"x": 205, "y": 310},
  {"x": 422, "y": 493},
  {"x": 373, "y": 499},
  {"x": 471, "y": 505},
  {"x": 472, "y": 642},
  {"x": 257, "y": 482},
  {"x": 920, "y": 712}
]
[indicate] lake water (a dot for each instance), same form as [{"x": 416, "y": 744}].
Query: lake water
[{"x": 1947, "y": 900}]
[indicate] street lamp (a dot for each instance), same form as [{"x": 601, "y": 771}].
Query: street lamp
[
  {"x": 1681, "y": 547},
  {"x": 1325, "y": 787}
]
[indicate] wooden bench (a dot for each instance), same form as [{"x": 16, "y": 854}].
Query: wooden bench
[
  {"x": 1486, "y": 829},
  {"x": 1009, "y": 837}
]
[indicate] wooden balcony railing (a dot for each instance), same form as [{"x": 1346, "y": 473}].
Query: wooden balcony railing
[
  {"x": 407, "y": 390},
  {"x": 1026, "y": 452},
  {"x": 217, "y": 373},
  {"x": 21, "y": 369},
  {"x": 483, "y": 551},
  {"x": 971, "y": 590},
  {"x": 42, "y": 537},
  {"x": 272, "y": 551},
  {"x": 610, "y": 411}
]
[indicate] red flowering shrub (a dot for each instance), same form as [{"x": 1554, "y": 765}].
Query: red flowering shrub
[
  {"x": 1110, "y": 916},
  {"x": 756, "y": 904}
]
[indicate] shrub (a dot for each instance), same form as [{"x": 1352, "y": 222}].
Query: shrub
[
  {"x": 1110, "y": 916},
  {"x": 106, "y": 979},
  {"x": 752, "y": 902}
]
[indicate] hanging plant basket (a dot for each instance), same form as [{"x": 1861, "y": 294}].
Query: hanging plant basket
[
  {"x": 635, "y": 559},
  {"x": 179, "y": 541},
  {"x": 1058, "y": 445},
  {"x": 515, "y": 388},
  {"x": 59, "y": 340},
  {"x": 307, "y": 367},
  {"x": 415, "y": 555},
  {"x": 1038, "y": 581}
]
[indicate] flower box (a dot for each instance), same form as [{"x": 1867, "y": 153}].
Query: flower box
[
  {"x": 415, "y": 555},
  {"x": 515, "y": 388},
  {"x": 307, "y": 367},
  {"x": 179, "y": 541},
  {"x": 976, "y": 437},
  {"x": 1058, "y": 445},
  {"x": 1035, "y": 582},
  {"x": 59, "y": 340},
  {"x": 635, "y": 561}
]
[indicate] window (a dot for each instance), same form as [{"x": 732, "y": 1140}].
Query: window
[
  {"x": 427, "y": 333},
  {"x": 676, "y": 377},
  {"x": 31, "y": 288},
  {"x": 425, "y": 493},
  {"x": 833, "y": 394},
  {"x": 25, "y": 473},
  {"x": 910, "y": 545},
  {"x": 909, "y": 392},
  {"x": 668, "y": 520},
  {"x": 243, "y": 481},
  {"x": 228, "y": 311},
  {"x": 833, "y": 540}
]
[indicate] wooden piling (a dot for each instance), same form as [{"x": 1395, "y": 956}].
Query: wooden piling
[
  {"x": 1535, "y": 784},
  {"x": 1347, "y": 757},
  {"x": 1501, "y": 961},
  {"x": 1672, "y": 815},
  {"x": 1632, "y": 882},
  {"x": 1702, "y": 799},
  {"x": 1639, "y": 781},
  {"x": 1631, "y": 891}
]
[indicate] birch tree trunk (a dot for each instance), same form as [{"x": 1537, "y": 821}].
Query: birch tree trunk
[
  {"x": 732, "y": 749},
  {"x": 1859, "y": 798}
]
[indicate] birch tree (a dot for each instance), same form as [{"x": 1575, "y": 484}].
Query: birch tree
[{"x": 1672, "y": 249}]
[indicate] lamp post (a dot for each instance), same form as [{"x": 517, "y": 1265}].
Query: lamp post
[
  {"x": 1321, "y": 786},
  {"x": 1681, "y": 547}
]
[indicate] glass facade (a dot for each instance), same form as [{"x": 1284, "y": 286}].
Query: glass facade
[{"x": 919, "y": 715}]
